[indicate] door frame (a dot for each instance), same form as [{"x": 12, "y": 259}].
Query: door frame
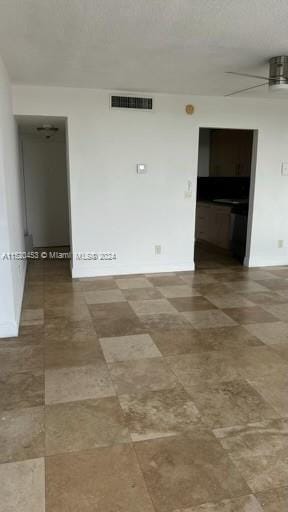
[
  {"x": 252, "y": 182},
  {"x": 68, "y": 172}
]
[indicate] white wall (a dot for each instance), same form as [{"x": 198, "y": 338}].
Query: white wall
[
  {"x": 204, "y": 153},
  {"x": 114, "y": 209},
  {"x": 12, "y": 272},
  {"x": 45, "y": 174}
]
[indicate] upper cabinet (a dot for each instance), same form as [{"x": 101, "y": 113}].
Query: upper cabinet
[{"x": 230, "y": 152}]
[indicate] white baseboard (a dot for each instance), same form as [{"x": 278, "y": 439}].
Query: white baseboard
[
  {"x": 9, "y": 330},
  {"x": 264, "y": 261},
  {"x": 95, "y": 270}
]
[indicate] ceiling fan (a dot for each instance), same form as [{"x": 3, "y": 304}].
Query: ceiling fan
[{"x": 278, "y": 76}]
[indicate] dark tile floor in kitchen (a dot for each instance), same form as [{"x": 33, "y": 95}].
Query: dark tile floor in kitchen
[{"x": 164, "y": 393}]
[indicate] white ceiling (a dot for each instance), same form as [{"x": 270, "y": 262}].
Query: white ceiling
[{"x": 178, "y": 46}]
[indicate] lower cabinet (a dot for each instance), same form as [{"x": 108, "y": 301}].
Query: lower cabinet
[{"x": 213, "y": 224}]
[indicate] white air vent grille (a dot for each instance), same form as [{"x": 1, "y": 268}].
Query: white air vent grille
[{"x": 131, "y": 102}]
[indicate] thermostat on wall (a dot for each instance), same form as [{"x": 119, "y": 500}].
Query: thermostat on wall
[{"x": 141, "y": 169}]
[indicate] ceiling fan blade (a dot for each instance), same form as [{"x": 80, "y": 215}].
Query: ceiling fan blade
[
  {"x": 250, "y": 76},
  {"x": 243, "y": 90}
]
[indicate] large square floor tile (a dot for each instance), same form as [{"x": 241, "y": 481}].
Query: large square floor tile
[
  {"x": 21, "y": 358},
  {"x": 191, "y": 304},
  {"x": 182, "y": 290},
  {"x": 242, "y": 504},
  {"x": 230, "y": 403},
  {"x": 266, "y": 298},
  {"x": 22, "y": 486},
  {"x": 32, "y": 316},
  {"x": 142, "y": 294},
  {"x": 204, "y": 367},
  {"x": 70, "y": 299},
  {"x": 188, "y": 470},
  {"x": 152, "y": 307},
  {"x": 257, "y": 274},
  {"x": 70, "y": 384},
  {"x": 230, "y": 300},
  {"x": 126, "y": 283},
  {"x": 257, "y": 362},
  {"x": 274, "y": 389},
  {"x": 173, "y": 342},
  {"x": 98, "y": 283},
  {"x": 123, "y": 348},
  {"x": 260, "y": 452},
  {"x": 250, "y": 315},
  {"x": 74, "y": 312},
  {"x": 177, "y": 341},
  {"x": 196, "y": 278},
  {"x": 104, "y": 296},
  {"x": 273, "y": 333},
  {"x": 281, "y": 350},
  {"x": 280, "y": 311},
  {"x": 169, "y": 279},
  {"x": 159, "y": 413},
  {"x": 276, "y": 283},
  {"x": 58, "y": 330},
  {"x": 141, "y": 375},
  {"x": 274, "y": 500},
  {"x": 27, "y": 337},
  {"x": 115, "y": 319},
  {"x": 22, "y": 389},
  {"x": 246, "y": 286},
  {"x": 84, "y": 425},
  {"x": 22, "y": 434},
  {"x": 164, "y": 321},
  {"x": 64, "y": 353},
  {"x": 107, "y": 479},
  {"x": 230, "y": 276},
  {"x": 210, "y": 318},
  {"x": 213, "y": 289}
]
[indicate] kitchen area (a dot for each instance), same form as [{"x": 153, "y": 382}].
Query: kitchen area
[{"x": 223, "y": 186}]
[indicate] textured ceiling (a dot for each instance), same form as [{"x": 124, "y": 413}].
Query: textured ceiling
[{"x": 178, "y": 46}]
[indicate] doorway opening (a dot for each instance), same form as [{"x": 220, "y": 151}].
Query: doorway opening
[
  {"x": 46, "y": 201},
  {"x": 225, "y": 189}
]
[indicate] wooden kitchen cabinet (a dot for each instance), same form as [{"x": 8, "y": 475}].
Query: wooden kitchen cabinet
[
  {"x": 213, "y": 224},
  {"x": 222, "y": 223},
  {"x": 230, "y": 152}
]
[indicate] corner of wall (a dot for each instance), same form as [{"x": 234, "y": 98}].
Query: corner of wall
[{"x": 19, "y": 302}]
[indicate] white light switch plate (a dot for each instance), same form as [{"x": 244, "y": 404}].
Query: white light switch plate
[{"x": 141, "y": 168}]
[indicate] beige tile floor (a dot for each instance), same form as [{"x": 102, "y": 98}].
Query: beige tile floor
[{"x": 149, "y": 393}]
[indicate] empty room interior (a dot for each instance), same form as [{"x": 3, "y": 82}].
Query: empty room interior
[{"x": 143, "y": 256}]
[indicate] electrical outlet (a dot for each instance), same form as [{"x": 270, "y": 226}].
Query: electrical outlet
[
  {"x": 284, "y": 169},
  {"x": 157, "y": 249},
  {"x": 280, "y": 244},
  {"x": 188, "y": 192}
]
